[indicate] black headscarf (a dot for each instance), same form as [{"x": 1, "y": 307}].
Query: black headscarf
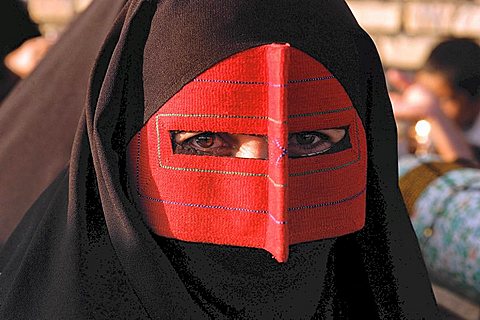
[{"x": 83, "y": 250}]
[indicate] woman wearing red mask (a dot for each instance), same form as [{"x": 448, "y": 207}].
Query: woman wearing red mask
[{"x": 163, "y": 215}]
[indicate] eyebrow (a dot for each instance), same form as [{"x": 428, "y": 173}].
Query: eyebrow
[{"x": 188, "y": 134}]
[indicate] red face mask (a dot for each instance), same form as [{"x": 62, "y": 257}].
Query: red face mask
[{"x": 305, "y": 179}]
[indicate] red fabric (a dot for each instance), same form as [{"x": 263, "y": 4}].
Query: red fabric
[{"x": 268, "y": 90}]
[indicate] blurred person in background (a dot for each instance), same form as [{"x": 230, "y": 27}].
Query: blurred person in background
[
  {"x": 21, "y": 46},
  {"x": 442, "y": 191},
  {"x": 446, "y": 93}
]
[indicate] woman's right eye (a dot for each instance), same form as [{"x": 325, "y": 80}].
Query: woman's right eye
[
  {"x": 202, "y": 143},
  {"x": 204, "y": 140}
]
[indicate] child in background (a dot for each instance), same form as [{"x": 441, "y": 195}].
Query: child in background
[{"x": 446, "y": 92}]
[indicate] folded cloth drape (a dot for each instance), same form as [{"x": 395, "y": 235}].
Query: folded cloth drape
[{"x": 39, "y": 118}]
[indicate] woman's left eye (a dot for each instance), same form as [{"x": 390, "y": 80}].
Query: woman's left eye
[
  {"x": 311, "y": 143},
  {"x": 309, "y": 138}
]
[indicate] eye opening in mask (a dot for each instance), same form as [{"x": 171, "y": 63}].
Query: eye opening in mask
[
  {"x": 223, "y": 144},
  {"x": 220, "y": 144},
  {"x": 317, "y": 142}
]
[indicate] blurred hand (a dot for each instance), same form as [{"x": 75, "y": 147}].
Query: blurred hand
[
  {"x": 412, "y": 101},
  {"x": 415, "y": 103},
  {"x": 23, "y": 60}
]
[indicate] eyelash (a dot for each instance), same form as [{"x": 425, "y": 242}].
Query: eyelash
[
  {"x": 300, "y": 144},
  {"x": 186, "y": 145},
  {"x": 297, "y": 149}
]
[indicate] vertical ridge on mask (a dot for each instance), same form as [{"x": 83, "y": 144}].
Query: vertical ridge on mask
[{"x": 277, "y": 60}]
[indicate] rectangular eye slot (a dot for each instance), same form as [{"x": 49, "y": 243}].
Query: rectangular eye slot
[
  {"x": 220, "y": 144},
  {"x": 317, "y": 142},
  {"x": 250, "y": 146}
]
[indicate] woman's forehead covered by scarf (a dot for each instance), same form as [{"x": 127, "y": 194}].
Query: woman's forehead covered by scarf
[{"x": 324, "y": 30}]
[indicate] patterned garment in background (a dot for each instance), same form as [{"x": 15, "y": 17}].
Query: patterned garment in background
[{"x": 446, "y": 219}]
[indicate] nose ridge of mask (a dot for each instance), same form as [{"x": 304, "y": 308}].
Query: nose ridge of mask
[{"x": 277, "y": 235}]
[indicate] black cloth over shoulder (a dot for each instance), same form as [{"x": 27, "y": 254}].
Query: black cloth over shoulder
[
  {"x": 39, "y": 118},
  {"x": 83, "y": 251}
]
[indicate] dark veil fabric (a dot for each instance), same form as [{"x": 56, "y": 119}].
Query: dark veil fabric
[
  {"x": 39, "y": 118},
  {"x": 83, "y": 251}
]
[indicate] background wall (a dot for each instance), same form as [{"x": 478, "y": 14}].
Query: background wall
[{"x": 406, "y": 30}]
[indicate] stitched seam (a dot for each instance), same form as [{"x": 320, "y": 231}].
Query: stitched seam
[
  {"x": 311, "y": 79},
  {"x": 312, "y": 114},
  {"x": 279, "y": 185},
  {"x": 137, "y": 169},
  {"x": 206, "y": 206},
  {"x": 283, "y": 154},
  {"x": 226, "y": 116},
  {"x": 325, "y": 204},
  {"x": 210, "y": 116},
  {"x": 277, "y": 85},
  {"x": 275, "y": 220}
]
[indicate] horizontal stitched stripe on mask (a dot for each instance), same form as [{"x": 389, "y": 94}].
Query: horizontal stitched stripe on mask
[{"x": 290, "y": 82}]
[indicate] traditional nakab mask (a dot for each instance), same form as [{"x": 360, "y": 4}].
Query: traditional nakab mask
[{"x": 304, "y": 179}]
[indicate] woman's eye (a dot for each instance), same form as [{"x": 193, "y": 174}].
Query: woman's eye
[
  {"x": 201, "y": 143},
  {"x": 308, "y": 139},
  {"x": 222, "y": 144},
  {"x": 205, "y": 140},
  {"x": 312, "y": 143}
]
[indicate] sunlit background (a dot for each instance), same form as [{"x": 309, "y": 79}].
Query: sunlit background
[{"x": 405, "y": 31}]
